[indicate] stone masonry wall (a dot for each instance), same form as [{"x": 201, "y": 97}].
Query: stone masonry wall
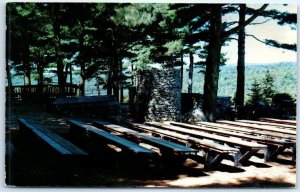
[{"x": 159, "y": 95}]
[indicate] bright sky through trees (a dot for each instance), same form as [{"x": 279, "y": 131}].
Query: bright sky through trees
[{"x": 257, "y": 52}]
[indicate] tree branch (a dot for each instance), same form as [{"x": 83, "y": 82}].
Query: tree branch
[
  {"x": 254, "y": 16},
  {"x": 272, "y": 43},
  {"x": 248, "y": 35},
  {"x": 260, "y": 22},
  {"x": 231, "y": 38},
  {"x": 231, "y": 23}
]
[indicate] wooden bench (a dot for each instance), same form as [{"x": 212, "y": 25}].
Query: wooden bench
[
  {"x": 275, "y": 146},
  {"x": 246, "y": 130},
  {"x": 109, "y": 138},
  {"x": 260, "y": 127},
  {"x": 163, "y": 145},
  {"x": 247, "y": 149},
  {"x": 278, "y": 125},
  {"x": 56, "y": 142},
  {"x": 214, "y": 153},
  {"x": 281, "y": 121}
]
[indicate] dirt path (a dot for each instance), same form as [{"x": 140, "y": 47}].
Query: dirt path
[{"x": 29, "y": 168}]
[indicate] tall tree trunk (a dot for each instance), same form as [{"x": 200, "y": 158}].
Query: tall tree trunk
[
  {"x": 59, "y": 58},
  {"x": 109, "y": 78},
  {"x": 26, "y": 64},
  {"x": 40, "y": 70},
  {"x": 9, "y": 90},
  {"x": 181, "y": 70},
  {"x": 240, "y": 89},
  {"x": 121, "y": 81},
  {"x": 132, "y": 76},
  {"x": 71, "y": 75},
  {"x": 213, "y": 64},
  {"x": 41, "y": 74},
  {"x": 82, "y": 80},
  {"x": 111, "y": 71},
  {"x": 27, "y": 80},
  {"x": 82, "y": 61},
  {"x": 115, "y": 78},
  {"x": 191, "y": 71}
]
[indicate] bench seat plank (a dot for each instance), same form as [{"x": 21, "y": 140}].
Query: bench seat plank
[
  {"x": 260, "y": 127},
  {"x": 281, "y": 121},
  {"x": 204, "y": 143},
  {"x": 232, "y": 140},
  {"x": 273, "y": 144},
  {"x": 58, "y": 143},
  {"x": 146, "y": 138},
  {"x": 119, "y": 141},
  {"x": 267, "y": 141},
  {"x": 215, "y": 152},
  {"x": 249, "y": 130},
  {"x": 278, "y": 125},
  {"x": 248, "y": 147}
]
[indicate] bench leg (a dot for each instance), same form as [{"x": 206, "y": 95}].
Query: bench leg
[
  {"x": 236, "y": 159},
  {"x": 212, "y": 159},
  {"x": 247, "y": 155},
  {"x": 273, "y": 152}
]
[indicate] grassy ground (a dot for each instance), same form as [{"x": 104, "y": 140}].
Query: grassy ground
[{"x": 29, "y": 164}]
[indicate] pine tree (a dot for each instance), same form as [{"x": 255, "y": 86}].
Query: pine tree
[
  {"x": 282, "y": 18},
  {"x": 256, "y": 93},
  {"x": 268, "y": 87}
]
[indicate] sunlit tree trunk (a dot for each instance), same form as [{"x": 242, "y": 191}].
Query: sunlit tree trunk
[
  {"x": 181, "y": 70},
  {"x": 132, "y": 76},
  {"x": 191, "y": 71}
]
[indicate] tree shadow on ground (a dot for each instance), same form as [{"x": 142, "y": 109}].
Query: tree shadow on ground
[
  {"x": 256, "y": 164},
  {"x": 284, "y": 161},
  {"x": 229, "y": 169},
  {"x": 33, "y": 167},
  {"x": 252, "y": 183}
]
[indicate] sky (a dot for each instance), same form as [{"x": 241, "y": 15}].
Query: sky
[{"x": 257, "y": 52}]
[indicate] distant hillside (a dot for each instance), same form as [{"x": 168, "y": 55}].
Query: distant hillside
[{"x": 285, "y": 76}]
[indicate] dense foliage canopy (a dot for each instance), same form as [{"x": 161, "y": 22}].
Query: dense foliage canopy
[{"x": 110, "y": 41}]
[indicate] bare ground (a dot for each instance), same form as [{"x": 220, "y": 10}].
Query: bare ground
[{"x": 28, "y": 165}]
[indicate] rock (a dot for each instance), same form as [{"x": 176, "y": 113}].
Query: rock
[
  {"x": 194, "y": 116},
  {"x": 162, "y": 101}
]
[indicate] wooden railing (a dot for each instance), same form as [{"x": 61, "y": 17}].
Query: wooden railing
[{"x": 29, "y": 92}]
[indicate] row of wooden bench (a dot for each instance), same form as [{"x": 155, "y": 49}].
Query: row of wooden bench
[
  {"x": 279, "y": 121},
  {"x": 80, "y": 131},
  {"x": 213, "y": 143},
  {"x": 271, "y": 124},
  {"x": 275, "y": 143},
  {"x": 214, "y": 153}
]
